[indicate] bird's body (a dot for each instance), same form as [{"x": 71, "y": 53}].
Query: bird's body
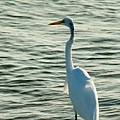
[
  {"x": 83, "y": 94},
  {"x": 81, "y": 88}
]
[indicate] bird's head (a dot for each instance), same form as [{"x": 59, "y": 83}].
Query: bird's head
[{"x": 66, "y": 21}]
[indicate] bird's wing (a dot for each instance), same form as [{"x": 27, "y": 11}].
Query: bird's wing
[{"x": 83, "y": 94}]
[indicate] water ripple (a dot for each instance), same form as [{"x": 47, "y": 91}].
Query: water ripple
[{"x": 32, "y": 60}]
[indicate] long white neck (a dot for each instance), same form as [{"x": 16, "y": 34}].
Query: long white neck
[{"x": 68, "y": 53}]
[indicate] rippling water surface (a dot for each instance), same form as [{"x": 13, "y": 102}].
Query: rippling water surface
[{"x": 32, "y": 62}]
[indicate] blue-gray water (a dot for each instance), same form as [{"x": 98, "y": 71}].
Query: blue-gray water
[{"x": 32, "y": 62}]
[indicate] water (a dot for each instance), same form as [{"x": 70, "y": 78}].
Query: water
[{"x": 32, "y": 62}]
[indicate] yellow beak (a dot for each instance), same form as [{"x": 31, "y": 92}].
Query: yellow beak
[{"x": 56, "y": 23}]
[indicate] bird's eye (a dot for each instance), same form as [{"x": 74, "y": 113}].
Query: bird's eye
[{"x": 63, "y": 21}]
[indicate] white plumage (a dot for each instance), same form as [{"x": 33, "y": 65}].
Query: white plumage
[{"x": 81, "y": 88}]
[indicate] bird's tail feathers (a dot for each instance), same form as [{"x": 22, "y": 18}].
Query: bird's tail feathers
[{"x": 65, "y": 87}]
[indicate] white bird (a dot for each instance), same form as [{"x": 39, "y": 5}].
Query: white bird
[{"x": 81, "y": 88}]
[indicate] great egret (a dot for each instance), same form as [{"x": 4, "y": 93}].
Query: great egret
[{"x": 81, "y": 88}]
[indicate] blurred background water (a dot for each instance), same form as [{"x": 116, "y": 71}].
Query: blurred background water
[{"x": 32, "y": 62}]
